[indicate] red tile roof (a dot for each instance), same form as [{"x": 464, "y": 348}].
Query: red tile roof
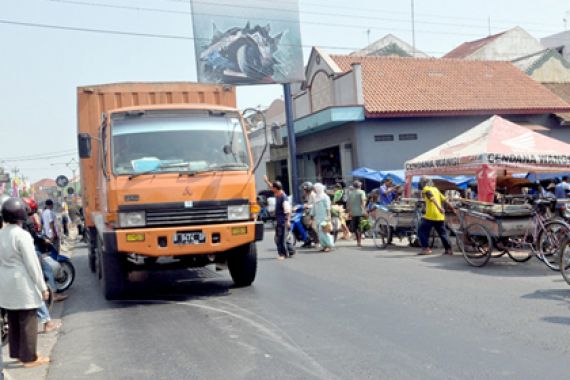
[
  {"x": 467, "y": 48},
  {"x": 562, "y": 90},
  {"x": 46, "y": 182},
  {"x": 395, "y": 86}
]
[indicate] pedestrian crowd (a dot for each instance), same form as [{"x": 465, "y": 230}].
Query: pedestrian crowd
[
  {"x": 351, "y": 211},
  {"x": 27, "y": 281}
]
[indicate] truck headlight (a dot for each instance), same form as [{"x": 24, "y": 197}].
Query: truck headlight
[
  {"x": 240, "y": 212},
  {"x": 132, "y": 219}
]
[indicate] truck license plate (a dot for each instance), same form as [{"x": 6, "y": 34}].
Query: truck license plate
[{"x": 189, "y": 237}]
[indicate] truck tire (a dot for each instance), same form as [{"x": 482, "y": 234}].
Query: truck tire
[
  {"x": 242, "y": 263},
  {"x": 92, "y": 244},
  {"x": 113, "y": 273}
]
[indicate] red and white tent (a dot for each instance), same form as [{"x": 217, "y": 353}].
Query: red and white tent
[{"x": 494, "y": 146}]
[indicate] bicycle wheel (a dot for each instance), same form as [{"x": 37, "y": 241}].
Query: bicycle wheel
[
  {"x": 519, "y": 256},
  {"x": 565, "y": 259},
  {"x": 477, "y": 245},
  {"x": 381, "y": 233},
  {"x": 549, "y": 241}
]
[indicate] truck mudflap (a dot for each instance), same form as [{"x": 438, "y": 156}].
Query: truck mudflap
[
  {"x": 187, "y": 240},
  {"x": 259, "y": 230}
]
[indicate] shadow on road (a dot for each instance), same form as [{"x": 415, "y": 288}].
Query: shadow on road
[
  {"x": 550, "y": 294},
  {"x": 557, "y": 320},
  {"x": 145, "y": 287}
]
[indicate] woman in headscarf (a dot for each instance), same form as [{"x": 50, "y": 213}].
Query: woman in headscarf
[
  {"x": 322, "y": 214},
  {"x": 22, "y": 285}
]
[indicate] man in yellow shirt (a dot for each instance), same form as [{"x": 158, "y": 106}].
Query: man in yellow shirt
[{"x": 434, "y": 217}]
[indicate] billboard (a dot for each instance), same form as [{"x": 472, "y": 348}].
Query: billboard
[{"x": 247, "y": 42}]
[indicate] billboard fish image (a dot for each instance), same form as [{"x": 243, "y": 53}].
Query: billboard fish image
[{"x": 262, "y": 46}]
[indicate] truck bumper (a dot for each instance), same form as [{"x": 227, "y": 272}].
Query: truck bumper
[{"x": 157, "y": 242}]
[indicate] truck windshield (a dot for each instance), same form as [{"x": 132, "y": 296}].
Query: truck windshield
[{"x": 186, "y": 143}]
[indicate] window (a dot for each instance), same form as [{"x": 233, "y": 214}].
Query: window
[
  {"x": 408, "y": 136},
  {"x": 384, "y": 138}
]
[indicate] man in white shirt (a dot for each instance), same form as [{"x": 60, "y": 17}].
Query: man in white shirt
[{"x": 49, "y": 228}]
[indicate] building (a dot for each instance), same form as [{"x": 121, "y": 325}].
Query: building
[
  {"x": 545, "y": 66},
  {"x": 45, "y": 189},
  {"x": 560, "y": 42},
  {"x": 261, "y": 141},
  {"x": 563, "y": 91},
  {"x": 505, "y": 46},
  {"x": 353, "y": 111},
  {"x": 391, "y": 46}
]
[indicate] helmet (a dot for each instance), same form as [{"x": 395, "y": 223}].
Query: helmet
[
  {"x": 307, "y": 186},
  {"x": 14, "y": 210},
  {"x": 31, "y": 204}
]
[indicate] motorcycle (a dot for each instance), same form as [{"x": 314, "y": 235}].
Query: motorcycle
[
  {"x": 62, "y": 267},
  {"x": 301, "y": 229}
]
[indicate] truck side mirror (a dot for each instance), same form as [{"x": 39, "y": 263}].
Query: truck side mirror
[{"x": 84, "y": 145}]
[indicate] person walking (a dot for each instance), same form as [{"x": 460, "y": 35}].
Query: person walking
[
  {"x": 338, "y": 207},
  {"x": 49, "y": 224},
  {"x": 65, "y": 217},
  {"x": 356, "y": 205},
  {"x": 322, "y": 214},
  {"x": 282, "y": 220},
  {"x": 22, "y": 286},
  {"x": 434, "y": 217}
]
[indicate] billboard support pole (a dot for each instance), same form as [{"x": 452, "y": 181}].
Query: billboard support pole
[{"x": 291, "y": 142}]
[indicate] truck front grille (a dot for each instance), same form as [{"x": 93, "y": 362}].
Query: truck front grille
[{"x": 174, "y": 217}]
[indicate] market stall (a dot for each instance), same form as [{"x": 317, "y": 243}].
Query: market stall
[{"x": 496, "y": 147}]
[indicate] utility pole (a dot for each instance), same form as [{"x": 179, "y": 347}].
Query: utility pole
[
  {"x": 489, "y": 24},
  {"x": 413, "y": 31}
]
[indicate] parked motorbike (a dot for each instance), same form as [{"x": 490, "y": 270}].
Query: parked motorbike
[{"x": 62, "y": 267}]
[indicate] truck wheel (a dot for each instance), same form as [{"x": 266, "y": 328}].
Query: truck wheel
[
  {"x": 113, "y": 273},
  {"x": 91, "y": 256},
  {"x": 242, "y": 263}
]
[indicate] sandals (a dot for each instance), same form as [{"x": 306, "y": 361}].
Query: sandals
[
  {"x": 41, "y": 360},
  {"x": 50, "y": 326}
]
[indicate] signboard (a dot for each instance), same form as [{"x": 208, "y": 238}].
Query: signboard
[
  {"x": 247, "y": 42},
  {"x": 61, "y": 181}
]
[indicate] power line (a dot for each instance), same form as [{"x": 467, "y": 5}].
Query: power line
[
  {"x": 47, "y": 157},
  {"x": 328, "y": 5},
  {"x": 38, "y": 154},
  {"x": 167, "y": 36},
  {"x": 344, "y": 25}
]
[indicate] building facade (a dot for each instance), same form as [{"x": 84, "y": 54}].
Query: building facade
[{"x": 378, "y": 112}]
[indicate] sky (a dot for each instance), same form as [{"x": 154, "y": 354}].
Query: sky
[{"x": 40, "y": 68}]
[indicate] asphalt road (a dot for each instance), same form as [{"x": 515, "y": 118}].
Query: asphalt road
[{"x": 350, "y": 314}]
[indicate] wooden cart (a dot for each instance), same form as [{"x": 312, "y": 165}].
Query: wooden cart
[
  {"x": 482, "y": 228},
  {"x": 400, "y": 220}
]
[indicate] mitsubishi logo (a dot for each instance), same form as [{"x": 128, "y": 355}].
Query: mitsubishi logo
[{"x": 187, "y": 191}]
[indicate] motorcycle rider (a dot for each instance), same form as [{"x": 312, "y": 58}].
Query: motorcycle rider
[{"x": 40, "y": 243}]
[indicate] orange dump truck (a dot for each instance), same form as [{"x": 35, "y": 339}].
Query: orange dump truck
[{"x": 167, "y": 180}]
